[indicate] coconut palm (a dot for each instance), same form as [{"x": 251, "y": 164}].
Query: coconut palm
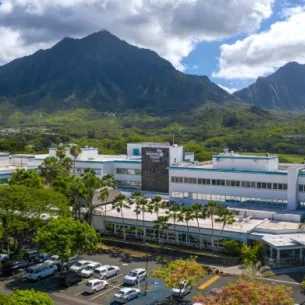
[
  {"x": 144, "y": 208},
  {"x": 198, "y": 213},
  {"x": 174, "y": 212},
  {"x": 225, "y": 217},
  {"x": 185, "y": 216},
  {"x": 67, "y": 165},
  {"x": 29, "y": 178},
  {"x": 135, "y": 199},
  {"x": 156, "y": 204},
  {"x": 257, "y": 271},
  {"x": 211, "y": 212},
  {"x": 104, "y": 195},
  {"x": 75, "y": 151},
  {"x": 50, "y": 169},
  {"x": 161, "y": 224},
  {"x": 108, "y": 182},
  {"x": 92, "y": 183},
  {"x": 61, "y": 152},
  {"x": 119, "y": 204}
]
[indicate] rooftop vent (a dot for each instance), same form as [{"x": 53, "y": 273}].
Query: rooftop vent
[{"x": 267, "y": 155}]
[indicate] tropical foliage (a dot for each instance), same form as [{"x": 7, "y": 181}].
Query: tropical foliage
[{"x": 26, "y": 297}]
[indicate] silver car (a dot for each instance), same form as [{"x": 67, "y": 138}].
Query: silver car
[
  {"x": 181, "y": 291},
  {"x": 126, "y": 294},
  {"x": 135, "y": 276},
  {"x": 95, "y": 285}
]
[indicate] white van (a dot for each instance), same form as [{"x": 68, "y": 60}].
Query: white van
[{"x": 37, "y": 272}]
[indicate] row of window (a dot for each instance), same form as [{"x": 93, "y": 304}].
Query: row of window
[
  {"x": 129, "y": 183},
  {"x": 128, "y": 171},
  {"x": 230, "y": 199},
  {"x": 231, "y": 183},
  {"x": 301, "y": 188}
]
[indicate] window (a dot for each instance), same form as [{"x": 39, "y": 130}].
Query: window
[
  {"x": 213, "y": 182},
  {"x": 248, "y": 184},
  {"x": 228, "y": 183},
  {"x": 177, "y": 194},
  {"x": 237, "y": 183},
  {"x": 253, "y": 184},
  {"x": 190, "y": 180},
  {"x": 275, "y": 186},
  {"x": 195, "y": 196},
  {"x": 259, "y": 185},
  {"x": 128, "y": 171},
  {"x": 136, "y": 152},
  {"x": 243, "y": 183},
  {"x": 301, "y": 188},
  {"x": 232, "y": 183},
  {"x": 269, "y": 186},
  {"x": 264, "y": 185},
  {"x": 177, "y": 179},
  {"x": 222, "y": 182}
]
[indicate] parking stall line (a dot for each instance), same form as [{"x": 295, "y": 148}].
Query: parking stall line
[
  {"x": 115, "y": 287},
  {"x": 115, "y": 277},
  {"x": 79, "y": 293},
  {"x": 209, "y": 282}
]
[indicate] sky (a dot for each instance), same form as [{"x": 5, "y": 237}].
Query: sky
[{"x": 231, "y": 41}]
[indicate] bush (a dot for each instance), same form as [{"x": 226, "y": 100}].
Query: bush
[{"x": 232, "y": 247}]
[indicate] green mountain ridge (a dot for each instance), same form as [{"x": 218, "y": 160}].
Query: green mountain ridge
[{"x": 104, "y": 73}]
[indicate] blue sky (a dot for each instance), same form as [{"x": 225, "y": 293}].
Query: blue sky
[
  {"x": 231, "y": 41},
  {"x": 203, "y": 60}
]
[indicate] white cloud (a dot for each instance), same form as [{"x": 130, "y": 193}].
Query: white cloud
[
  {"x": 170, "y": 27},
  {"x": 262, "y": 53},
  {"x": 229, "y": 90}
]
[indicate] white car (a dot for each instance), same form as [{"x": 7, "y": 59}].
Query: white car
[
  {"x": 38, "y": 272},
  {"x": 181, "y": 291},
  {"x": 88, "y": 271},
  {"x": 95, "y": 285},
  {"x": 135, "y": 276},
  {"x": 80, "y": 265},
  {"x": 4, "y": 257},
  {"x": 126, "y": 294},
  {"x": 106, "y": 271}
]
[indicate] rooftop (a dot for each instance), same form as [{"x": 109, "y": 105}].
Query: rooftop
[{"x": 285, "y": 240}]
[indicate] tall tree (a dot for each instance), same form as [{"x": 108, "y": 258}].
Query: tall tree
[
  {"x": 186, "y": 215},
  {"x": 225, "y": 217},
  {"x": 92, "y": 183},
  {"x": 198, "y": 213},
  {"x": 67, "y": 237},
  {"x": 161, "y": 224},
  {"x": 156, "y": 204},
  {"x": 174, "y": 212},
  {"x": 75, "y": 151},
  {"x": 108, "y": 183},
  {"x": 211, "y": 212},
  {"x": 120, "y": 203},
  {"x": 67, "y": 165},
  {"x": 144, "y": 208},
  {"x": 61, "y": 152},
  {"x": 50, "y": 169},
  {"x": 178, "y": 271},
  {"x": 29, "y": 178}
]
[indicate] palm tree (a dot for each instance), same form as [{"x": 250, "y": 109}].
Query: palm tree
[
  {"x": 29, "y": 178},
  {"x": 50, "y": 169},
  {"x": 108, "y": 182},
  {"x": 156, "y": 204},
  {"x": 135, "y": 199},
  {"x": 92, "y": 183},
  {"x": 173, "y": 213},
  {"x": 137, "y": 211},
  {"x": 119, "y": 204},
  {"x": 75, "y": 151},
  {"x": 198, "y": 213},
  {"x": 144, "y": 208},
  {"x": 104, "y": 195},
  {"x": 61, "y": 152},
  {"x": 211, "y": 212},
  {"x": 161, "y": 224},
  {"x": 302, "y": 225},
  {"x": 225, "y": 217},
  {"x": 257, "y": 271},
  {"x": 186, "y": 215},
  {"x": 67, "y": 164}
]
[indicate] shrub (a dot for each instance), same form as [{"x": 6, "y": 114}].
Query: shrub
[{"x": 232, "y": 247}]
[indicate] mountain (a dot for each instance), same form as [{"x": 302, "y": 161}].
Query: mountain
[
  {"x": 282, "y": 90},
  {"x": 105, "y": 73}
]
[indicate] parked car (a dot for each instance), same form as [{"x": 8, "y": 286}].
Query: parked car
[
  {"x": 41, "y": 258},
  {"x": 13, "y": 267},
  {"x": 95, "y": 285},
  {"x": 40, "y": 271},
  {"x": 4, "y": 258},
  {"x": 135, "y": 276},
  {"x": 126, "y": 294},
  {"x": 66, "y": 263},
  {"x": 80, "y": 265},
  {"x": 31, "y": 255},
  {"x": 88, "y": 271},
  {"x": 182, "y": 290},
  {"x": 106, "y": 271},
  {"x": 69, "y": 278}
]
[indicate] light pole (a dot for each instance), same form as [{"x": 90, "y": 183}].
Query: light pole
[{"x": 146, "y": 267}]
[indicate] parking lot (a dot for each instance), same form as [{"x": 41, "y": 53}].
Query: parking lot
[{"x": 156, "y": 290}]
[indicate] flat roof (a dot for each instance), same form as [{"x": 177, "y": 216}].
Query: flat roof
[
  {"x": 238, "y": 156},
  {"x": 285, "y": 240}
]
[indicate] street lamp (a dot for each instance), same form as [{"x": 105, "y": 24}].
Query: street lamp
[{"x": 146, "y": 267}]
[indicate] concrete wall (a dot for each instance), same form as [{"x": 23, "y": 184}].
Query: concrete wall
[{"x": 4, "y": 160}]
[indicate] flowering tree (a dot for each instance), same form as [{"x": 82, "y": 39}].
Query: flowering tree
[
  {"x": 180, "y": 270},
  {"x": 250, "y": 293}
]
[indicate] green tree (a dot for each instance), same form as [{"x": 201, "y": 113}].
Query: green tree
[
  {"x": 29, "y": 178},
  {"x": 108, "y": 183},
  {"x": 198, "y": 213},
  {"x": 178, "y": 271},
  {"x": 232, "y": 247},
  {"x": 211, "y": 212},
  {"x": 61, "y": 152},
  {"x": 186, "y": 215},
  {"x": 23, "y": 210},
  {"x": 174, "y": 212},
  {"x": 51, "y": 168},
  {"x": 225, "y": 217},
  {"x": 92, "y": 183},
  {"x": 252, "y": 254},
  {"x": 144, "y": 208},
  {"x": 249, "y": 293},
  {"x": 67, "y": 237},
  {"x": 135, "y": 199},
  {"x": 156, "y": 204},
  {"x": 119, "y": 204},
  {"x": 161, "y": 224},
  {"x": 75, "y": 151},
  {"x": 257, "y": 271},
  {"x": 29, "y": 297},
  {"x": 67, "y": 165}
]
